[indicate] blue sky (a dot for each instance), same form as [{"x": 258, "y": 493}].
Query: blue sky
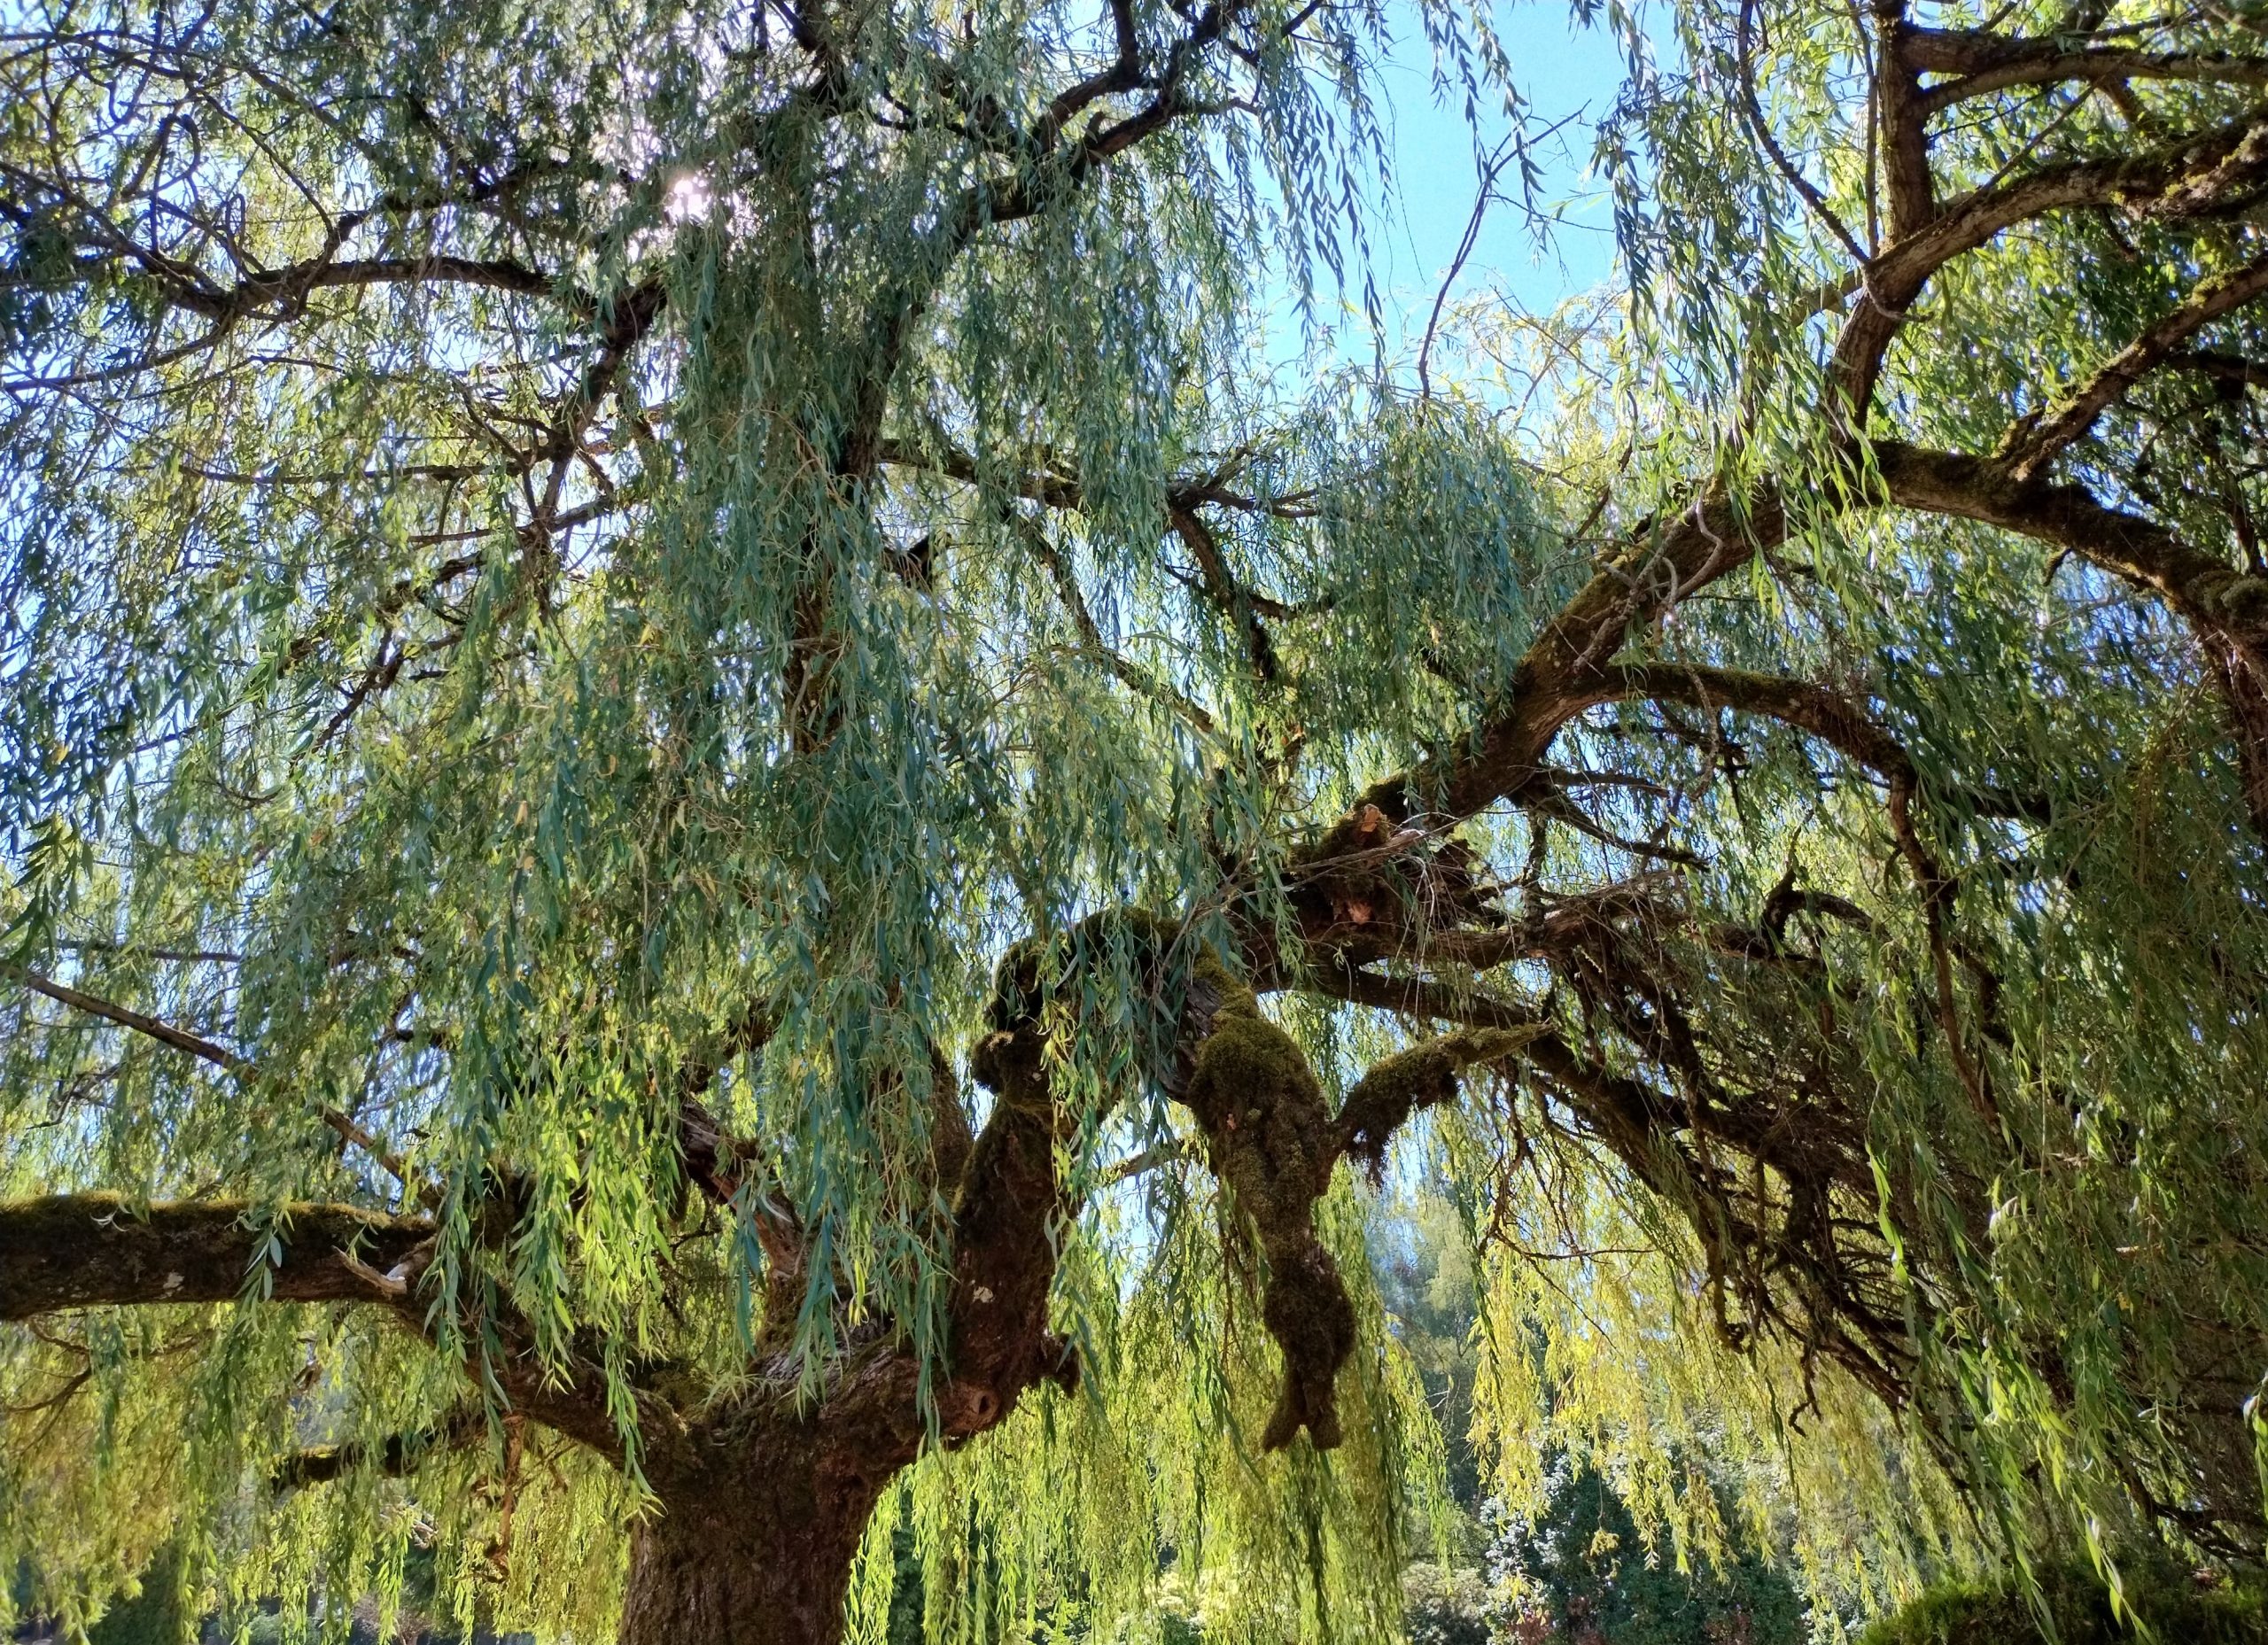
[{"x": 1562, "y": 70}]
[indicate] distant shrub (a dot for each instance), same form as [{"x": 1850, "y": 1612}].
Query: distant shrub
[
  {"x": 1442, "y": 1606},
  {"x": 2179, "y": 1610},
  {"x": 1584, "y": 1575}
]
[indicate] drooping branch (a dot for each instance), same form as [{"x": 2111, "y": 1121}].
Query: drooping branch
[
  {"x": 1761, "y": 128},
  {"x": 282, "y": 292},
  {"x": 1669, "y": 1146},
  {"x": 1828, "y": 715},
  {"x": 1424, "y": 1076},
  {"x": 1133, "y": 677}
]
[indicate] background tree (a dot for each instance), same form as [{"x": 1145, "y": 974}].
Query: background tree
[
  {"x": 1580, "y": 1571},
  {"x": 1570, "y": 1562},
  {"x": 675, "y": 692}
]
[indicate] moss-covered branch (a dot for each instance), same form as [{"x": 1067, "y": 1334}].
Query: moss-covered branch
[
  {"x": 1422, "y": 1077},
  {"x": 76, "y": 1251}
]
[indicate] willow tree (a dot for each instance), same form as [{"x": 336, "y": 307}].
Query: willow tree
[{"x": 718, "y": 820}]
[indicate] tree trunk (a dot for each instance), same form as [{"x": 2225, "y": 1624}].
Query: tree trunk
[{"x": 754, "y": 1548}]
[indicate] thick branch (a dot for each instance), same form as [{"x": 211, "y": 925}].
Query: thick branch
[
  {"x": 1424, "y": 1076},
  {"x": 1905, "y": 123},
  {"x": 2220, "y": 367},
  {"x": 2218, "y": 171},
  {"x": 76, "y": 1251},
  {"x": 1984, "y": 61},
  {"x": 1221, "y": 582},
  {"x": 284, "y": 290},
  {"x": 1825, "y": 714},
  {"x": 2208, "y": 593},
  {"x": 1636, "y": 1121},
  {"x": 1563, "y": 672}
]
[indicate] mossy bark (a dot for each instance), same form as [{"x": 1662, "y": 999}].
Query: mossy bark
[{"x": 1268, "y": 1137}]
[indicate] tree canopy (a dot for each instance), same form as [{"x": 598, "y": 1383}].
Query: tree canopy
[{"x": 719, "y": 816}]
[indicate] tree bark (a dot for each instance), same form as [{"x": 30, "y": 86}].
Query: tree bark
[{"x": 755, "y": 1549}]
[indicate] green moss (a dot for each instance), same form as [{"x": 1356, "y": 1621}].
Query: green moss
[
  {"x": 1425, "y": 1074},
  {"x": 1268, "y": 1135}
]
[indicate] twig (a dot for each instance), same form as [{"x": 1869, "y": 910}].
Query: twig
[{"x": 220, "y": 1056}]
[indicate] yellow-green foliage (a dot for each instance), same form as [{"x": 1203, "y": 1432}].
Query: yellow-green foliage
[
  {"x": 1066, "y": 1517},
  {"x": 94, "y": 1487},
  {"x": 1596, "y": 1337}
]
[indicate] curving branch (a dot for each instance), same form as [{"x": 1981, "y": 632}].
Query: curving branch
[
  {"x": 1833, "y": 718},
  {"x": 1983, "y": 61},
  {"x": 2212, "y": 595},
  {"x": 1424, "y": 1076},
  {"x": 2213, "y": 172},
  {"x": 1564, "y": 671}
]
